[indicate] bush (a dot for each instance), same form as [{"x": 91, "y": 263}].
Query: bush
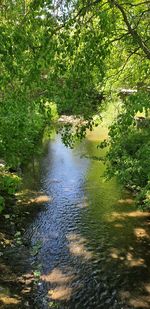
[
  {"x": 129, "y": 153},
  {"x": 2, "y": 203},
  {"x": 9, "y": 184}
]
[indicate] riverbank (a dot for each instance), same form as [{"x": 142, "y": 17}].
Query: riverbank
[{"x": 18, "y": 276}]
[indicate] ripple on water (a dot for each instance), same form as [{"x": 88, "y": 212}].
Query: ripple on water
[{"x": 91, "y": 253}]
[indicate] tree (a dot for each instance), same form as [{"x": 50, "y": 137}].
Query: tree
[
  {"x": 122, "y": 42},
  {"x": 72, "y": 52}
]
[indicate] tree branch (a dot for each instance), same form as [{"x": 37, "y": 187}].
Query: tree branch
[
  {"x": 85, "y": 8},
  {"x": 119, "y": 38},
  {"x": 132, "y": 31},
  {"x": 120, "y": 71},
  {"x": 137, "y": 4}
]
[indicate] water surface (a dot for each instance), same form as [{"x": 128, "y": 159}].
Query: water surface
[{"x": 94, "y": 245}]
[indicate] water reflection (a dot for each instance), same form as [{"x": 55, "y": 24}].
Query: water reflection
[{"x": 94, "y": 243}]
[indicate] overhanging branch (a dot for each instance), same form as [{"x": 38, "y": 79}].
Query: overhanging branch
[{"x": 132, "y": 31}]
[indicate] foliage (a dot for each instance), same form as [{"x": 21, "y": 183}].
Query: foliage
[
  {"x": 2, "y": 203},
  {"x": 9, "y": 182},
  {"x": 74, "y": 55},
  {"x": 36, "y": 248},
  {"x": 129, "y": 147},
  {"x": 18, "y": 131},
  {"x": 51, "y": 112}
]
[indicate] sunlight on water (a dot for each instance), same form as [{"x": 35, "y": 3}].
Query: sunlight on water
[{"x": 94, "y": 244}]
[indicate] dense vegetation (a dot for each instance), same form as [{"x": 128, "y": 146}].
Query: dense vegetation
[{"x": 76, "y": 55}]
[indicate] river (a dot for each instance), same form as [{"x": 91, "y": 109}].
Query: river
[
  {"x": 94, "y": 244},
  {"x": 89, "y": 245}
]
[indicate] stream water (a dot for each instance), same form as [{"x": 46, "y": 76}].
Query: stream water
[
  {"x": 86, "y": 243},
  {"x": 93, "y": 243}
]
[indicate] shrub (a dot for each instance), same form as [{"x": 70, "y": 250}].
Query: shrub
[
  {"x": 9, "y": 184},
  {"x": 2, "y": 203}
]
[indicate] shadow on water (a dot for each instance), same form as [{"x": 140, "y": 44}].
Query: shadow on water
[
  {"x": 16, "y": 273},
  {"x": 94, "y": 244}
]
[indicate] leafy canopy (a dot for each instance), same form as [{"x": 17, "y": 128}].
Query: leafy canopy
[{"x": 77, "y": 54}]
